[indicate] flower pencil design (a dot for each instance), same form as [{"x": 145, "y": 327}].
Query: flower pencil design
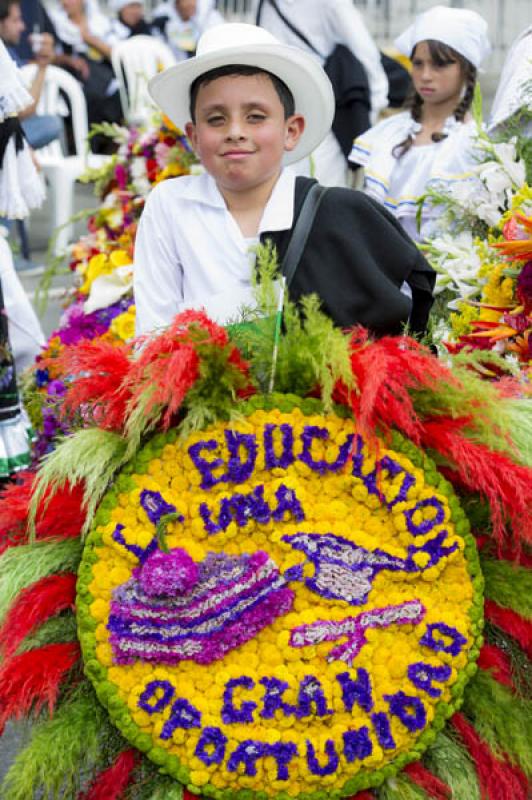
[{"x": 354, "y": 628}]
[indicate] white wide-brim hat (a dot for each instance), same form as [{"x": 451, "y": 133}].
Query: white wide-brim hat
[
  {"x": 463, "y": 30},
  {"x": 249, "y": 45}
]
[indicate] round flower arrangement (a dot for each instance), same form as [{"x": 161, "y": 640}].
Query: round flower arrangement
[{"x": 274, "y": 607}]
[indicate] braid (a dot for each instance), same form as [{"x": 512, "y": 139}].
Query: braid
[
  {"x": 470, "y": 79},
  {"x": 414, "y": 104}
]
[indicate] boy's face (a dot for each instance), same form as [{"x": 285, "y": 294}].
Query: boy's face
[{"x": 241, "y": 134}]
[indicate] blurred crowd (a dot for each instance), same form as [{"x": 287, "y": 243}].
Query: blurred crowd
[{"x": 76, "y": 35}]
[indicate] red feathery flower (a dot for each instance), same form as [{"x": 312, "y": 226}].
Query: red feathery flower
[
  {"x": 112, "y": 782},
  {"x": 33, "y": 606},
  {"x": 33, "y": 679}
]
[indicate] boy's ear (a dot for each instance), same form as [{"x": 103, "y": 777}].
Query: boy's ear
[
  {"x": 190, "y": 130},
  {"x": 295, "y": 125}
]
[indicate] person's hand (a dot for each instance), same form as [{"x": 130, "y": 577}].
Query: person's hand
[
  {"x": 83, "y": 26},
  {"x": 46, "y": 52},
  {"x": 34, "y": 159},
  {"x": 80, "y": 66}
]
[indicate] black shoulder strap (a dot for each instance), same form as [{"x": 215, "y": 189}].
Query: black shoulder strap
[
  {"x": 301, "y": 231},
  {"x": 288, "y": 24}
]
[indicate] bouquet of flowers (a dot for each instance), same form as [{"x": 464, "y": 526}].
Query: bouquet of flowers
[
  {"x": 482, "y": 251},
  {"x": 102, "y": 303}
]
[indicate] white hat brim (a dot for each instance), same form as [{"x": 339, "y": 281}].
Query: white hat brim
[{"x": 311, "y": 88}]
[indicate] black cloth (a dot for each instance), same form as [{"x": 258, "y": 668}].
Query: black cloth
[
  {"x": 356, "y": 259},
  {"x": 142, "y": 28},
  {"x": 101, "y": 107},
  {"x": 399, "y": 81},
  {"x": 351, "y": 95},
  {"x": 9, "y": 128}
]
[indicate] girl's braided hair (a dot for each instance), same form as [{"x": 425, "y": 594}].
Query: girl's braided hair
[{"x": 441, "y": 55}]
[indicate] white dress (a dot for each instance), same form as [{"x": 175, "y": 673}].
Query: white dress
[
  {"x": 398, "y": 183},
  {"x": 20, "y": 334},
  {"x": 514, "y": 91},
  {"x": 21, "y": 188}
]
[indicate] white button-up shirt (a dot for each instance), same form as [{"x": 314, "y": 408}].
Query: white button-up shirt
[{"x": 190, "y": 252}]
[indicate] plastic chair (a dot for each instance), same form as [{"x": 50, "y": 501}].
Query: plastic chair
[
  {"x": 135, "y": 61},
  {"x": 60, "y": 170}
]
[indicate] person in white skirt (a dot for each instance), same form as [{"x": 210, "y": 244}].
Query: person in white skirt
[
  {"x": 512, "y": 105},
  {"x": 326, "y": 25},
  {"x": 432, "y": 142},
  {"x": 20, "y": 334}
]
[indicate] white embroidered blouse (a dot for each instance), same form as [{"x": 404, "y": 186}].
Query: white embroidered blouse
[{"x": 398, "y": 183}]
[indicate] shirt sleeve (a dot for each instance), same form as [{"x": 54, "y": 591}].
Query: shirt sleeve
[
  {"x": 158, "y": 273},
  {"x": 350, "y": 30}
]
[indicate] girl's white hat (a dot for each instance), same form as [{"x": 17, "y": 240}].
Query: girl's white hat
[
  {"x": 463, "y": 30},
  {"x": 249, "y": 45}
]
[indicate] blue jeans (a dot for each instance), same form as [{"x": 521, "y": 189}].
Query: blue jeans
[{"x": 41, "y": 130}]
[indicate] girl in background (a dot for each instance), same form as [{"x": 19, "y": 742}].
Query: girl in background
[{"x": 431, "y": 142}]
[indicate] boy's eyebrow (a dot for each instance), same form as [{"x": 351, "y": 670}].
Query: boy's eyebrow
[{"x": 247, "y": 106}]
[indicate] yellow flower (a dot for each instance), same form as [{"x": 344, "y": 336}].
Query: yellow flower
[{"x": 123, "y": 325}]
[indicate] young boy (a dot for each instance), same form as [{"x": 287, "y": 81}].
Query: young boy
[{"x": 252, "y": 105}]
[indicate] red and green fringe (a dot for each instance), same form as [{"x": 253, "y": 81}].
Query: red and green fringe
[
  {"x": 33, "y": 606},
  {"x": 113, "y": 782},
  {"x": 499, "y": 780}
]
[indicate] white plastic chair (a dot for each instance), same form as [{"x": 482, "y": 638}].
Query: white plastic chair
[
  {"x": 135, "y": 61},
  {"x": 60, "y": 170}
]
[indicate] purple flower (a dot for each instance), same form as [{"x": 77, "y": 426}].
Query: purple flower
[
  {"x": 423, "y": 675},
  {"x": 287, "y": 439},
  {"x": 149, "y": 695},
  {"x": 121, "y": 176},
  {"x": 332, "y": 759},
  {"x": 426, "y": 525},
  {"x": 409, "y": 709},
  {"x": 231, "y": 714},
  {"x": 211, "y": 746},
  {"x": 41, "y": 377},
  {"x": 56, "y": 388},
  {"x": 381, "y": 724},
  {"x": 168, "y": 573},
  {"x": 524, "y": 287},
  {"x": 76, "y": 325},
  {"x": 457, "y": 641}
]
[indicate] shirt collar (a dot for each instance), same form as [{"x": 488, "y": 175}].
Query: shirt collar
[
  {"x": 279, "y": 210},
  {"x": 278, "y": 214}
]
